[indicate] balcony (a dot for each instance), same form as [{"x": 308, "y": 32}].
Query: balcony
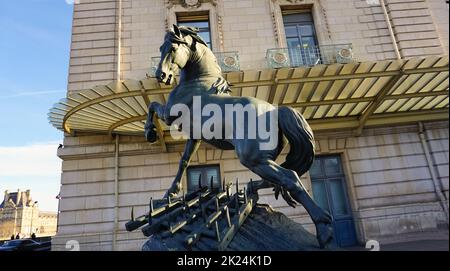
[
  {"x": 228, "y": 62},
  {"x": 309, "y": 56}
]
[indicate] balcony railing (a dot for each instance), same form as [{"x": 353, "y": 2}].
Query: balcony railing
[
  {"x": 309, "y": 56},
  {"x": 283, "y": 57},
  {"x": 154, "y": 62},
  {"x": 228, "y": 62}
]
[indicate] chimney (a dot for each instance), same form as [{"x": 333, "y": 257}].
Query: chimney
[
  {"x": 19, "y": 195},
  {"x": 28, "y": 194},
  {"x": 6, "y": 196}
]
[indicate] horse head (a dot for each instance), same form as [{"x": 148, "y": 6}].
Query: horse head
[{"x": 179, "y": 43}]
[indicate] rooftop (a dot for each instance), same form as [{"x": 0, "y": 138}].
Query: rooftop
[{"x": 17, "y": 199}]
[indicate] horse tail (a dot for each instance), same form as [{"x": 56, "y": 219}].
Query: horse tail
[{"x": 301, "y": 140}]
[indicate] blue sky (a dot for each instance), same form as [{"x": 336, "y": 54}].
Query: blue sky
[{"x": 34, "y": 56}]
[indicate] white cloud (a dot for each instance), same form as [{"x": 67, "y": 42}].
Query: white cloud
[
  {"x": 35, "y": 167},
  {"x": 36, "y": 160}
]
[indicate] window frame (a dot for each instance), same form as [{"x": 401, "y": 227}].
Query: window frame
[
  {"x": 277, "y": 8},
  {"x": 304, "y": 54},
  {"x": 325, "y": 177},
  {"x": 215, "y": 11},
  {"x": 191, "y": 17},
  {"x": 205, "y": 182}
]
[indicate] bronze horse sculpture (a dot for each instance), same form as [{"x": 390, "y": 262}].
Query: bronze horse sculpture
[{"x": 201, "y": 76}]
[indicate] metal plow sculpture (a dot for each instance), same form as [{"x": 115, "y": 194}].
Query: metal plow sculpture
[{"x": 207, "y": 218}]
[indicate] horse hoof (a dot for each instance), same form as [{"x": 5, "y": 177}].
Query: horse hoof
[
  {"x": 170, "y": 195},
  {"x": 324, "y": 233},
  {"x": 173, "y": 191},
  {"x": 151, "y": 136}
]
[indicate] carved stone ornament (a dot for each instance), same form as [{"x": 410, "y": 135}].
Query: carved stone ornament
[
  {"x": 295, "y": 1},
  {"x": 191, "y": 3}
]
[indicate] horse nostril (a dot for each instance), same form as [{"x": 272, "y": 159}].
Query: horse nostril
[
  {"x": 169, "y": 79},
  {"x": 163, "y": 75}
]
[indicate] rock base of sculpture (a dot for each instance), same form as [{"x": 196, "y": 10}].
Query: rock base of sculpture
[{"x": 263, "y": 230}]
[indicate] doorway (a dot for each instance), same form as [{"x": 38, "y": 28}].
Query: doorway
[{"x": 330, "y": 193}]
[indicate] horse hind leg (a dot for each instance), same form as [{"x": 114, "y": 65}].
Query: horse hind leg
[{"x": 289, "y": 180}]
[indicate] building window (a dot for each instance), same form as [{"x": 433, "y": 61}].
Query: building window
[
  {"x": 199, "y": 20},
  {"x": 203, "y": 173},
  {"x": 301, "y": 37}
]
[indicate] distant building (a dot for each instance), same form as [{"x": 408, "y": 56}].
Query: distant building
[{"x": 19, "y": 214}]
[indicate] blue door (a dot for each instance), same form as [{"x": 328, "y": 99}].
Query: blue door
[{"x": 329, "y": 191}]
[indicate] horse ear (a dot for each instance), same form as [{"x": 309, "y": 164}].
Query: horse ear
[{"x": 177, "y": 31}]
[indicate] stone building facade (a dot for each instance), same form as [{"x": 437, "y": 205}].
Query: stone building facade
[
  {"x": 385, "y": 178},
  {"x": 19, "y": 214}
]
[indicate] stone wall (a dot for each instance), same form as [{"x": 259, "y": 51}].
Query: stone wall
[
  {"x": 249, "y": 27},
  {"x": 415, "y": 29},
  {"x": 93, "y": 55},
  {"x": 7, "y": 227}
]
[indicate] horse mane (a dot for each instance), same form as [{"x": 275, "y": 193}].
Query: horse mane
[
  {"x": 186, "y": 31},
  {"x": 221, "y": 86},
  {"x": 193, "y": 32}
]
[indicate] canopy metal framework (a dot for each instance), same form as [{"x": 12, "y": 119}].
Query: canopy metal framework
[{"x": 337, "y": 96}]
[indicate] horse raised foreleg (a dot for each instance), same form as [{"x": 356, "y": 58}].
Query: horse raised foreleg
[
  {"x": 150, "y": 128},
  {"x": 190, "y": 148}
]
